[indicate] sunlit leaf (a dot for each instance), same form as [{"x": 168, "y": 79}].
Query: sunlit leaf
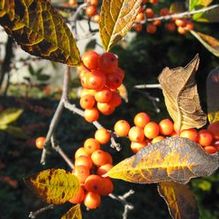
[
  {"x": 40, "y": 30},
  {"x": 197, "y": 4},
  {"x": 210, "y": 16},
  {"x": 172, "y": 159},
  {"x": 179, "y": 199},
  {"x": 123, "y": 92},
  {"x": 209, "y": 42},
  {"x": 73, "y": 213},
  {"x": 55, "y": 186},
  {"x": 9, "y": 115},
  {"x": 181, "y": 96},
  {"x": 116, "y": 19},
  {"x": 213, "y": 95}
]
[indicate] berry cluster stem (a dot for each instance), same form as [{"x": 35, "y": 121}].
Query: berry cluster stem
[{"x": 34, "y": 214}]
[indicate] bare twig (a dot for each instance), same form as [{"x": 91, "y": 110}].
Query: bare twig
[
  {"x": 183, "y": 14},
  {"x": 148, "y": 86},
  {"x": 58, "y": 149},
  {"x": 34, "y": 214},
  {"x": 57, "y": 115},
  {"x": 127, "y": 206}
]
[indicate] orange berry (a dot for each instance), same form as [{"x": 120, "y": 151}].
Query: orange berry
[
  {"x": 91, "y": 145},
  {"x": 137, "y": 27},
  {"x": 140, "y": 17},
  {"x": 93, "y": 183},
  {"x": 103, "y": 96},
  {"x": 102, "y": 135},
  {"x": 91, "y": 115},
  {"x": 82, "y": 172},
  {"x": 96, "y": 18},
  {"x": 84, "y": 161},
  {"x": 91, "y": 10},
  {"x": 164, "y": 11},
  {"x": 141, "y": 119},
  {"x": 189, "y": 25},
  {"x": 116, "y": 99},
  {"x": 87, "y": 102},
  {"x": 214, "y": 129},
  {"x": 91, "y": 59},
  {"x": 136, "y": 134},
  {"x": 157, "y": 23},
  {"x": 181, "y": 30},
  {"x": 137, "y": 146},
  {"x": 180, "y": 22},
  {"x": 108, "y": 62},
  {"x": 79, "y": 197},
  {"x": 105, "y": 108},
  {"x": 166, "y": 127},
  {"x": 100, "y": 157},
  {"x": 157, "y": 139},
  {"x": 151, "y": 130},
  {"x": 92, "y": 200},
  {"x": 104, "y": 169},
  {"x": 95, "y": 80},
  {"x": 93, "y": 2},
  {"x": 151, "y": 28},
  {"x": 85, "y": 91},
  {"x": 81, "y": 152},
  {"x": 149, "y": 12},
  {"x": 170, "y": 26},
  {"x": 205, "y": 138},
  {"x": 121, "y": 128},
  {"x": 40, "y": 142},
  {"x": 191, "y": 134},
  {"x": 113, "y": 80},
  {"x": 106, "y": 186},
  {"x": 210, "y": 149},
  {"x": 154, "y": 2}
]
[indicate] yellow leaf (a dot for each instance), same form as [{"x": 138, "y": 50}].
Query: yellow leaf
[
  {"x": 55, "y": 186},
  {"x": 197, "y": 4},
  {"x": 116, "y": 19},
  {"x": 209, "y": 42},
  {"x": 181, "y": 95},
  {"x": 123, "y": 92},
  {"x": 9, "y": 115},
  {"x": 73, "y": 213},
  {"x": 179, "y": 199},
  {"x": 172, "y": 159},
  {"x": 212, "y": 95},
  {"x": 40, "y": 30}
]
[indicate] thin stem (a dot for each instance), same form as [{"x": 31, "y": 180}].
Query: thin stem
[
  {"x": 58, "y": 149},
  {"x": 122, "y": 199},
  {"x": 57, "y": 116},
  {"x": 149, "y": 86},
  {"x": 34, "y": 214},
  {"x": 183, "y": 14}
]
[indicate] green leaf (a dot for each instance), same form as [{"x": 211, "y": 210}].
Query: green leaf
[
  {"x": 209, "y": 42},
  {"x": 172, "y": 159},
  {"x": 73, "y": 213},
  {"x": 210, "y": 16},
  {"x": 182, "y": 101},
  {"x": 212, "y": 95},
  {"x": 197, "y": 4},
  {"x": 116, "y": 19},
  {"x": 9, "y": 115},
  {"x": 179, "y": 199},
  {"x": 15, "y": 131},
  {"x": 43, "y": 77},
  {"x": 55, "y": 186},
  {"x": 40, "y": 30}
]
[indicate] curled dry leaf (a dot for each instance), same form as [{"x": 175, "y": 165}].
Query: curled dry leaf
[
  {"x": 179, "y": 199},
  {"x": 116, "y": 19},
  {"x": 213, "y": 95},
  {"x": 55, "y": 186},
  {"x": 172, "y": 159},
  {"x": 181, "y": 95},
  {"x": 39, "y": 29}
]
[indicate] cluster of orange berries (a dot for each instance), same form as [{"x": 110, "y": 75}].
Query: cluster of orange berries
[
  {"x": 182, "y": 25},
  {"x": 146, "y": 131},
  {"x": 91, "y": 163},
  {"x": 100, "y": 78}
]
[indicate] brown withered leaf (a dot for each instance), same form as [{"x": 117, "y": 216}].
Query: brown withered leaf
[
  {"x": 116, "y": 19},
  {"x": 213, "y": 95},
  {"x": 73, "y": 213},
  {"x": 179, "y": 199},
  {"x": 39, "y": 29},
  {"x": 172, "y": 159},
  {"x": 55, "y": 186},
  {"x": 181, "y": 95}
]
